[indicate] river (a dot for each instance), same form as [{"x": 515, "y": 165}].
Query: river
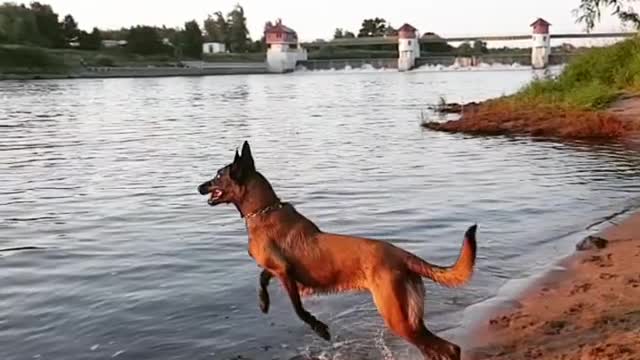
[{"x": 103, "y": 175}]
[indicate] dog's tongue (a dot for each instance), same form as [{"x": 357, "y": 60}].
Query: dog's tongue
[{"x": 216, "y": 193}]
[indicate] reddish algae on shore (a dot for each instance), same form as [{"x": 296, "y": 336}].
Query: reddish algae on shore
[{"x": 499, "y": 117}]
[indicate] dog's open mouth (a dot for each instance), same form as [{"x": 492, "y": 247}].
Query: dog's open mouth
[{"x": 215, "y": 196}]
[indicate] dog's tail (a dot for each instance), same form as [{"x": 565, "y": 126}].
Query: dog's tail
[{"x": 451, "y": 276}]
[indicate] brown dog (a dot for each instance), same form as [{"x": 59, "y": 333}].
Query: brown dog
[{"x": 306, "y": 260}]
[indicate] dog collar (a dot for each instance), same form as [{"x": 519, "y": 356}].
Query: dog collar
[{"x": 265, "y": 210}]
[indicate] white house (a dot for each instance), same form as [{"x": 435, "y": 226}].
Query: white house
[{"x": 213, "y": 48}]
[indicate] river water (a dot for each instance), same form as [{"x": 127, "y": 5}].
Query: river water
[{"x": 103, "y": 174}]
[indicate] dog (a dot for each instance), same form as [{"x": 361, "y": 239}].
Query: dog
[{"x": 307, "y": 261}]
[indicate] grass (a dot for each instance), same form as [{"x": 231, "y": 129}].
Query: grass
[
  {"x": 591, "y": 81},
  {"x": 26, "y": 59}
]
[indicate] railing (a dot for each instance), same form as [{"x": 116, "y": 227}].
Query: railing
[{"x": 387, "y": 40}]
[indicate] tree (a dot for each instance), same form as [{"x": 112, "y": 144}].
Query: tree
[
  {"x": 465, "y": 49},
  {"x": 589, "y": 12},
  {"x": 338, "y": 34},
  {"x": 349, "y": 35},
  {"x": 192, "y": 39},
  {"x": 258, "y": 46},
  {"x": 216, "y": 28},
  {"x": 90, "y": 41},
  {"x": 372, "y": 27},
  {"x": 238, "y": 35},
  {"x": 390, "y": 31},
  {"x": 144, "y": 40},
  {"x": 48, "y": 25},
  {"x": 480, "y": 47},
  {"x": 18, "y": 25},
  {"x": 70, "y": 29}
]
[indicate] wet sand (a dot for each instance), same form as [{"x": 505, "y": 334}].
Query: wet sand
[{"x": 588, "y": 311}]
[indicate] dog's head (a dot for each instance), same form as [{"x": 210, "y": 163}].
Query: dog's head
[{"x": 228, "y": 185}]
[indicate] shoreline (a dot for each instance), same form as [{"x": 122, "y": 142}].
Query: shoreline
[
  {"x": 144, "y": 72},
  {"x": 585, "y": 307},
  {"x": 620, "y": 120}
]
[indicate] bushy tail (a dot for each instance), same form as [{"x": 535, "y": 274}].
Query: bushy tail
[{"x": 451, "y": 276}]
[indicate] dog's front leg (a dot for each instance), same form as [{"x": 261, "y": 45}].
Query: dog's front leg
[
  {"x": 292, "y": 289},
  {"x": 263, "y": 295}
]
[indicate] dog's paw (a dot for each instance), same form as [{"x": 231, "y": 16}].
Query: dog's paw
[
  {"x": 322, "y": 330},
  {"x": 264, "y": 301}
]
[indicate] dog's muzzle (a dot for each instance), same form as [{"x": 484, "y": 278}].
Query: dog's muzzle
[{"x": 204, "y": 188}]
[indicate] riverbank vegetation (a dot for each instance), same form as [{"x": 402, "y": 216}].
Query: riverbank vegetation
[
  {"x": 590, "y": 81},
  {"x": 570, "y": 105},
  {"x": 573, "y": 104}
]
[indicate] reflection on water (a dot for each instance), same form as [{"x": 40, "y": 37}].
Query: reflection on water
[{"x": 103, "y": 174}]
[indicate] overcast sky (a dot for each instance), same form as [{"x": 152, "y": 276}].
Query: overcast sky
[{"x": 318, "y": 19}]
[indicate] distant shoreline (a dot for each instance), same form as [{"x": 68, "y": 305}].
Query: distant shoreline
[{"x": 144, "y": 72}]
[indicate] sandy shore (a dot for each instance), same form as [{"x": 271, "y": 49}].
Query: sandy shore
[{"x": 588, "y": 311}]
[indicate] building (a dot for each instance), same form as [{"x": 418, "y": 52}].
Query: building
[
  {"x": 213, "y": 48},
  {"x": 283, "y": 49},
  {"x": 541, "y": 47},
  {"x": 408, "y": 47},
  {"x": 113, "y": 43}
]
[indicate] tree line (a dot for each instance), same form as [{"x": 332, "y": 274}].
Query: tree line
[{"x": 39, "y": 25}]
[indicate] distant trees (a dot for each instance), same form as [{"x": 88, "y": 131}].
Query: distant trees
[
  {"x": 238, "y": 32},
  {"x": 231, "y": 31},
  {"x": 372, "y": 27},
  {"x": 70, "y": 29},
  {"x": 589, "y": 12},
  {"x": 477, "y": 48},
  {"x": 90, "y": 41},
  {"x": 217, "y": 28},
  {"x": 192, "y": 39},
  {"x": 480, "y": 47},
  {"x": 343, "y": 34},
  {"x": 144, "y": 40},
  {"x": 18, "y": 25},
  {"x": 48, "y": 25},
  {"x": 36, "y": 25}
]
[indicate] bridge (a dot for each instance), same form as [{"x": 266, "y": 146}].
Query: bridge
[{"x": 432, "y": 38}]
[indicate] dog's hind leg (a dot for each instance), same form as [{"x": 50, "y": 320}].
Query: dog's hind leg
[
  {"x": 400, "y": 301},
  {"x": 263, "y": 294},
  {"x": 292, "y": 289}
]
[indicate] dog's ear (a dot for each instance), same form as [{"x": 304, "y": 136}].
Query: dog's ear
[
  {"x": 247, "y": 158},
  {"x": 236, "y": 159},
  {"x": 243, "y": 165}
]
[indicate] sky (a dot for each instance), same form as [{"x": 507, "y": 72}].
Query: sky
[{"x": 318, "y": 19}]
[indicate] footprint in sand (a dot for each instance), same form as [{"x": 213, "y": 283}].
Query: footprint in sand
[
  {"x": 607, "y": 276},
  {"x": 633, "y": 282},
  {"x": 575, "y": 309},
  {"x": 583, "y": 288},
  {"x": 555, "y": 327}
]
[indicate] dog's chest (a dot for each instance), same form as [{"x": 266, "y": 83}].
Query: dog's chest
[{"x": 256, "y": 250}]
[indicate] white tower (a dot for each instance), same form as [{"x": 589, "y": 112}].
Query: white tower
[
  {"x": 541, "y": 47},
  {"x": 408, "y": 47},
  {"x": 283, "y": 50}
]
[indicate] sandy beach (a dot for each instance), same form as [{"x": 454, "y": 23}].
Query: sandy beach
[{"x": 588, "y": 311}]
